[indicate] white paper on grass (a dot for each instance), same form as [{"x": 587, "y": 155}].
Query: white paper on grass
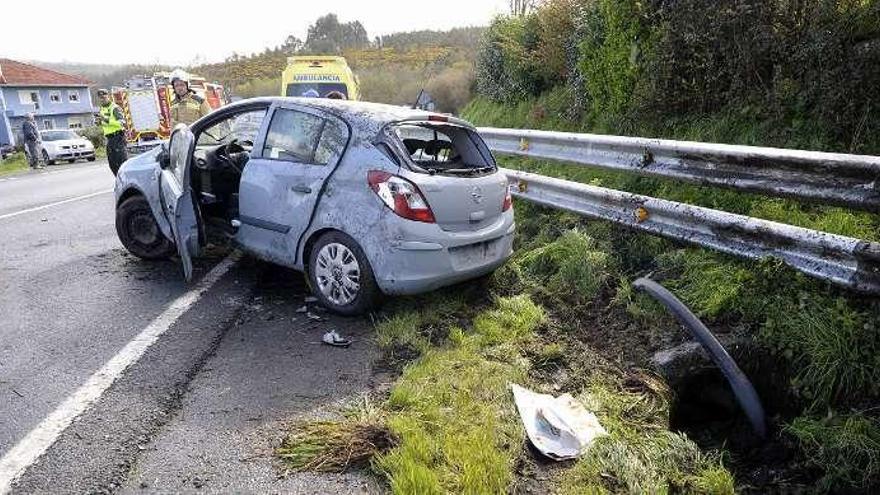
[{"x": 559, "y": 427}]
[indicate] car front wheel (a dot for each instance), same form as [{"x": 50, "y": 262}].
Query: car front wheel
[
  {"x": 138, "y": 231},
  {"x": 46, "y": 158},
  {"x": 341, "y": 276}
]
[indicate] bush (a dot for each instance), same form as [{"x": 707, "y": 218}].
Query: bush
[
  {"x": 452, "y": 88},
  {"x": 95, "y": 135},
  {"x": 809, "y": 66}
]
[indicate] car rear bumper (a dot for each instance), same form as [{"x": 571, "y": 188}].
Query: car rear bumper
[{"x": 417, "y": 267}]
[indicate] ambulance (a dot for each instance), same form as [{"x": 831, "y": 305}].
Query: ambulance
[{"x": 319, "y": 77}]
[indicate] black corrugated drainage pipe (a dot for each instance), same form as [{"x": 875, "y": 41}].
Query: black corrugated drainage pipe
[{"x": 742, "y": 388}]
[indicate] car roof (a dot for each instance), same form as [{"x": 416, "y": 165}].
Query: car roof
[{"x": 367, "y": 117}]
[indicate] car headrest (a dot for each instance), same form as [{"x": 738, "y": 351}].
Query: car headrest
[{"x": 435, "y": 146}]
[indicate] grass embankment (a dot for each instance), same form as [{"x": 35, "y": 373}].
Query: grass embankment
[
  {"x": 18, "y": 162},
  {"x": 824, "y": 341},
  {"x": 13, "y": 163},
  {"x": 561, "y": 316},
  {"x": 452, "y": 416}
]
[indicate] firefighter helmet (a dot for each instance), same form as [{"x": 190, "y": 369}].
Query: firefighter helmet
[{"x": 180, "y": 75}]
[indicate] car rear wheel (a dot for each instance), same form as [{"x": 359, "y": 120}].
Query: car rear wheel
[
  {"x": 46, "y": 158},
  {"x": 341, "y": 275},
  {"x": 138, "y": 231},
  {"x": 91, "y": 158}
]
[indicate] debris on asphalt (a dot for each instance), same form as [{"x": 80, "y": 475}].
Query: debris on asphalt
[
  {"x": 304, "y": 309},
  {"x": 334, "y": 339},
  {"x": 313, "y": 316},
  {"x": 559, "y": 427},
  {"x": 311, "y": 299}
]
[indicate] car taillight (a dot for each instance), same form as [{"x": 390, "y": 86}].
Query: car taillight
[
  {"x": 401, "y": 195},
  {"x": 508, "y": 201}
]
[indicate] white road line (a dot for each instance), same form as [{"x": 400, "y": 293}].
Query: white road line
[
  {"x": 57, "y": 203},
  {"x": 35, "y": 444}
]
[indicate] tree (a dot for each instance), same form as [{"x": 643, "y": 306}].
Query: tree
[
  {"x": 328, "y": 36},
  {"x": 522, "y": 7},
  {"x": 292, "y": 45}
]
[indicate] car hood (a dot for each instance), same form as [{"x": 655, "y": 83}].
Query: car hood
[{"x": 67, "y": 142}]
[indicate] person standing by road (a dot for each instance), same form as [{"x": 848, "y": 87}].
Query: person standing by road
[
  {"x": 32, "y": 142},
  {"x": 112, "y": 123},
  {"x": 187, "y": 107}
]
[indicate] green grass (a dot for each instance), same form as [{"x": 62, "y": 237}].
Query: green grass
[
  {"x": 846, "y": 448},
  {"x": 18, "y": 162},
  {"x": 832, "y": 346},
  {"x": 13, "y": 163},
  {"x": 640, "y": 454},
  {"x": 571, "y": 265},
  {"x": 710, "y": 284},
  {"x": 453, "y": 410}
]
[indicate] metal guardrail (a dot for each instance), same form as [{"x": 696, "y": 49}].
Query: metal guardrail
[
  {"x": 831, "y": 178},
  {"x": 843, "y": 260}
]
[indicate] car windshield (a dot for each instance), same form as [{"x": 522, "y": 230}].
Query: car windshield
[
  {"x": 317, "y": 90},
  {"x": 242, "y": 127},
  {"x": 59, "y": 135}
]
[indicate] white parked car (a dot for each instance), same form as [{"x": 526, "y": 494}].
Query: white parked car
[{"x": 66, "y": 145}]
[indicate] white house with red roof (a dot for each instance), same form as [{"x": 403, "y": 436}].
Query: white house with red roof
[{"x": 59, "y": 101}]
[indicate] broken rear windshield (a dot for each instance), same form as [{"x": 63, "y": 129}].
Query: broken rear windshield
[{"x": 443, "y": 148}]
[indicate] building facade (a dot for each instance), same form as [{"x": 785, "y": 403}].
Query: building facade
[{"x": 58, "y": 101}]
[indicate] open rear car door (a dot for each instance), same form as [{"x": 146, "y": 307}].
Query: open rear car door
[{"x": 177, "y": 196}]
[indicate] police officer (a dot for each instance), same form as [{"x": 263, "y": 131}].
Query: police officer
[
  {"x": 187, "y": 106},
  {"x": 112, "y": 122}
]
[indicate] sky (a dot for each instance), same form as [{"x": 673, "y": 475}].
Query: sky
[{"x": 185, "y": 33}]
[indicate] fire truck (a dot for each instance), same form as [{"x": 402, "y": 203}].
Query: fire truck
[{"x": 146, "y": 101}]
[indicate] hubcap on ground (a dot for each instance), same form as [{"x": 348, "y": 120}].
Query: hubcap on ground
[{"x": 337, "y": 273}]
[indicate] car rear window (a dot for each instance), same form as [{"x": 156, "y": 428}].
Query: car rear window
[{"x": 443, "y": 148}]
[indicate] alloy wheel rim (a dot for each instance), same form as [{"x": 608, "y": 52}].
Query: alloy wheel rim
[{"x": 338, "y": 273}]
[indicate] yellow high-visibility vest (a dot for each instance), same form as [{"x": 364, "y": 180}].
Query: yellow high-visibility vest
[{"x": 110, "y": 124}]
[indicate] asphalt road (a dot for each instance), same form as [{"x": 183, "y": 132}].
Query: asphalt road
[{"x": 204, "y": 405}]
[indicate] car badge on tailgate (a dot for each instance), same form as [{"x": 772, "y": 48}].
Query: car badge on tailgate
[{"x": 477, "y": 194}]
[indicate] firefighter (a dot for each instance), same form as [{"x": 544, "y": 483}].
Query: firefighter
[
  {"x": 187, "y": 106},
  {"x": 112, "y": 122}
]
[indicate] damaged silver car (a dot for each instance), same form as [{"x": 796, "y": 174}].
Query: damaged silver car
[{"x": 365, "y": 199}]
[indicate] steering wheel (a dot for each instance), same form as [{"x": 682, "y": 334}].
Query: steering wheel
[{"x": 223, "y": 154}]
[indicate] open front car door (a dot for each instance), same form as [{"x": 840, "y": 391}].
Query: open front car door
[{"x": 177, "y": 196}]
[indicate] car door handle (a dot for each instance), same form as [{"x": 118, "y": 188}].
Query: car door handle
[{"x": 301, "y": 189}]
